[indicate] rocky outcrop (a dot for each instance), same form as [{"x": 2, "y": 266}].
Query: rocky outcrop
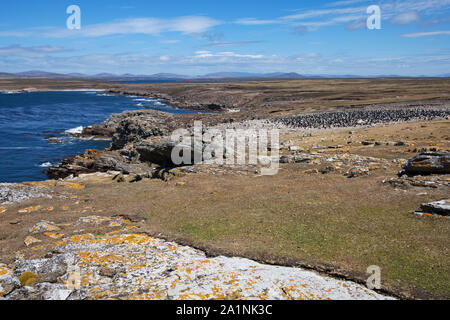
[
  {"x": 429, "y": 163},
  {"x": 161, "y": 152},
  {"x": 13, "y": 193},
  {"x": 158, "y": 153},
  {"x": 98, "y": 131},
  {"x": 439, "y": 207},
  {"x": 95, "y": 161},
  {"x": 132, "y": 130},
  {"x": 131, "y": 126}
]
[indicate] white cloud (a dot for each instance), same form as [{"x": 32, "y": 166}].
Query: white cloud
[
  {"x": 15, "y": 33},
  {"x": 202, "y": 62},
  {"x": 225, "y": 54},
  {"x": 353, "y": 12},
  {"x": 253, "y": 21},
  {"x": 150, "y": 26},
  {"x": 36, "y": 51},
  {"x": 406, "y": 18},
  {"x": 325, "y": 12},
  {"x": 426, "y": 34}
]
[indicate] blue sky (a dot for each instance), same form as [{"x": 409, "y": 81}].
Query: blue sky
[{"x": 199, "y": 37}]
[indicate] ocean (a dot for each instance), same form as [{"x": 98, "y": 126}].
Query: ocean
[{"x": 28, "y": 120}]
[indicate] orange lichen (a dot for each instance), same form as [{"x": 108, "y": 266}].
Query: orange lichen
[
  {"x": 89, "y": 258},
  {"x": 4, "y": 270},
  {"x": 54, "y": 235},
  {"x": 75, "y": 186},
  {"x": 30, "y": 209},
  {"x": 31, "y": 240},
  {"x": 44, "y": 226},
  {"x": 2, "y": 209}
]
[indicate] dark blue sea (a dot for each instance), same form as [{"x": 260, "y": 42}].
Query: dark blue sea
[{"x": 28, "y": 120}]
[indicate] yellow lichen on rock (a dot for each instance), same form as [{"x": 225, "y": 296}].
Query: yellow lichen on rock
[
  {"x": 75, "y": 186},
  {"x": 4, "y": 270},
  {"x": 2, "y": 209},
  {"x": 30, "y": 209},
  {"x": 54, "y": 235},
  {"x": 41, "y": 184},
  {"x": 44, "y": 226},
  {"x": 28, "y": 278},
  {"x": 31, "y": 240}
]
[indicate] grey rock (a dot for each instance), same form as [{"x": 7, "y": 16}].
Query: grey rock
[
  {"x": 439, "y": 207},
  {"x": 158, "y": 153},
  {"x": 429, "y": 163},
  {"x": 296, "y": 158},
  {"x": 161, "y": 152},
  {"x": 13, "y": 193}
]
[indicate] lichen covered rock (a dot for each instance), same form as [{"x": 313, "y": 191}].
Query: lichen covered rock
[{"x": 429, "y": 163}]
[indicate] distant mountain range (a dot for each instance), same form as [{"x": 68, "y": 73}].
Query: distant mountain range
[{"x": 37, "y": 74}]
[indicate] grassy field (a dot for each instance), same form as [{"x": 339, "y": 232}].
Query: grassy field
[{"x": 332, "y": 223}]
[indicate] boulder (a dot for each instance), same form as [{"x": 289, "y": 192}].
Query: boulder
[
  {"x": 439, "y": 207},
  {"x": 428, "y": 163},
  {"x": 161, "y": 152},
  {"x": 297, "y": 158},
  {"x": 97, "y": 131},
  {"x": 157, "y": 153}
]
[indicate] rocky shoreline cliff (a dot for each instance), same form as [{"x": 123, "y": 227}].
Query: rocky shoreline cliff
[{"x": 137, "y": 135}]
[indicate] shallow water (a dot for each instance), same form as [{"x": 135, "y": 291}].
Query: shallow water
[{"x": 27, "y": 120}]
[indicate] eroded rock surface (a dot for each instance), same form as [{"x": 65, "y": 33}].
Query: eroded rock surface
[
  {"x": 429, "y": 163},
  {"x": 12, "y": 193}
]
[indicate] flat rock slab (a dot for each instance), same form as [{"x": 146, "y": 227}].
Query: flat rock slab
[
  {"x": 136, "y": 266},
  {"x": 439, "y": 207}
]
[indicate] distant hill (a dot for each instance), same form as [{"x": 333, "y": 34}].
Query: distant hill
[
  {"x": 4, "y": 75},
  {"x": 230, "y": 75},
  {"x": 38, "y": 74}
]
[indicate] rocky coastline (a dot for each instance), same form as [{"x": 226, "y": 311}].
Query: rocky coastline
[{"x": 138, "y": 135}]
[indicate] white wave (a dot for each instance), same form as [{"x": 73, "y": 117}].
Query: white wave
[
  {"x": 146, "y": 100},
  {"x": 77, "y": 130},
  {"x": 46, "y": 165}
]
